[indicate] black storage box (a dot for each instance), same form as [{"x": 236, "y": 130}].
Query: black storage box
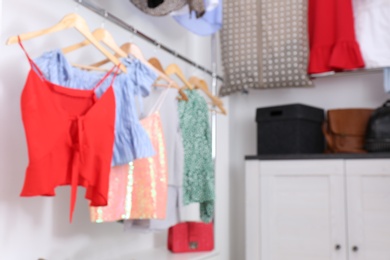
[{"x": 290, "y": 129}]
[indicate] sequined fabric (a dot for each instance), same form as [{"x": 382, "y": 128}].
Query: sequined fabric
[
  {"x": 119, "y": 196},
  {"x": 138, "y": 190},
  {"x": 150, "y": 175}
]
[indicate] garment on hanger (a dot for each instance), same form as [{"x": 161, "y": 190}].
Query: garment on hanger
[
  {"x": 264, "y": 44},
  {"x": 333, "y": 45},
  {"x": 198, "y": 177},
  {"x": 168, "y": 6},
  {"x": 70, "y": 135},
  {"x": 372, "y": 23},
  {"x": 189, "y": 212},
  {"x": 154, "y": 3},
  {"x": 386, "y": 79},
  {"x": 208, "y": 24},
  {"x": 155, "y": 225},
  {"x": 176, "y": 211},
  {"x": 197, "y": 7},
  {"x": 131, "y": 140},
  {"x": 209, "y": 5},
  {"x": 163, "y": 9},
  {"x": 139, "y": 190},
  {"x": 150, "y": 175}
]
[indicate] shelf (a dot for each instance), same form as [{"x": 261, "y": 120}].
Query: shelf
[
  {"x": 319, "y": 156},
  {"x": 165, "y": 254},
  {"x": 346, "y": 73}
]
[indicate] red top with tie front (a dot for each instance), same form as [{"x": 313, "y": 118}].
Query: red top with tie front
[{"x": 70, "y": 136}]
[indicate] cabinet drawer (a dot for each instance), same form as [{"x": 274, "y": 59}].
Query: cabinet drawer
[{"x": 368, "y": 167}]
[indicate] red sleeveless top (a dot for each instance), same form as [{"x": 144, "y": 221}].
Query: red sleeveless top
[{"x": 70, "y": 137}]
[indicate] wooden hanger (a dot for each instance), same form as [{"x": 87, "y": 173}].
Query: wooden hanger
[
  {"x": 128, "y": 48},
  {"x": 174, "y": 69},
  {"x": 157, "y": 64},
  {"x": 101, "y": 35},
  {"x": 202, "y": 85},
  {"x": 135, "y": 51},
  {"x": 69, "y": 21}
]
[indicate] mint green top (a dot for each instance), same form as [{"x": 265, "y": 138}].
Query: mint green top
[{"x": 198, "y": 176}]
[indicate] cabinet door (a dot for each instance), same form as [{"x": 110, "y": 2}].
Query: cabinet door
[
  {"x": 302, "y": 205},
  {"x": 252, "y": 210},
  {"x": 368, "y": 200}
]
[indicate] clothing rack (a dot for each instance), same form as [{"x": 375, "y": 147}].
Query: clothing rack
[
  {"x": 114, "y": 19},
  {"x": 213, "y": 73}
]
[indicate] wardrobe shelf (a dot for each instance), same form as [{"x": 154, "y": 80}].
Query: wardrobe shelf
[
  {"x": 346, "y": 73},
  {"x": 164, "y": 254}
]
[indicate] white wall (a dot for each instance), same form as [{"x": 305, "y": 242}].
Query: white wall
[
  {"x": 38, "y": 227},
  {"x": 336, "y": 92}
]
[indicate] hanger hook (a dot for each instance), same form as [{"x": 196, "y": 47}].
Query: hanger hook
[
  {"x": 204, "y": 72},
  {"x": 105, "y": 15},
  {"x": 158, "y": 46},
  {"x": 131, "y": 36},
  {"x": 176, "y": 56},
  {"x": 77, "y": 6},
  {"x": 195, "y": 69},
  {"x": 133, "y": 32},
  {"x": 199, "y": 68}
]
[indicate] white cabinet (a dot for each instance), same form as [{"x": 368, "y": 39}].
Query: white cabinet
[
  {"x": 368, "y": 202},
  {"x": 335, "y": 209}
]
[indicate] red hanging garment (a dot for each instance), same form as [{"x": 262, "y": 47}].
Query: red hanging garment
[
  {"x": 333, "y": 44},
  {"x": 70, "y": 136}
]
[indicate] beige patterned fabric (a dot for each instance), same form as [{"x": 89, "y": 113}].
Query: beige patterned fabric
[{"x": 264, "y": 44}]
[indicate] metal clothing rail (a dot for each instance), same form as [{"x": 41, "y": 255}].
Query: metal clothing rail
[{"x": 114, "y": 19}]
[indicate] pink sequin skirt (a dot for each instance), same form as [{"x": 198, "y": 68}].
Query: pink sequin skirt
[{"x": 138, "y": 190}]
